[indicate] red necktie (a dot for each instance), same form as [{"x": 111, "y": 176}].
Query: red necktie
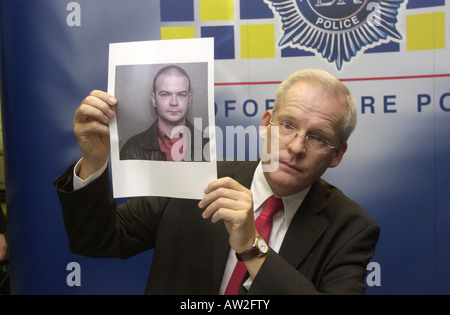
[{"x": 263, "y": 225}]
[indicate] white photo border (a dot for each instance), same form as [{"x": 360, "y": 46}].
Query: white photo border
[{"x": 133, "y": 178}]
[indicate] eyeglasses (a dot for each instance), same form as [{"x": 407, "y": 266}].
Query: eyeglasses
[{"x": 313, "y": 142}]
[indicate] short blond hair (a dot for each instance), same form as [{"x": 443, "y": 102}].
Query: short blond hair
[{"x": 333, "y": 86}]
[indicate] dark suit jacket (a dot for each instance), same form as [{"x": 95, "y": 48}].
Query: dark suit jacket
[{"x": 326, "y": 248}]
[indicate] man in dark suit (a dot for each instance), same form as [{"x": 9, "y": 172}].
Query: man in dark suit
[{"x": 321, "y": 242}]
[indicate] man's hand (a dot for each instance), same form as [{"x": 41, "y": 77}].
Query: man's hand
[
  {"x": 91, "y": 128},
  {"x": 3, "y": 246},
  {"x": 231, "y": 202}
]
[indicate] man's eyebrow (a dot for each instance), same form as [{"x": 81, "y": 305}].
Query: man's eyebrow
[
  {"x": 327, "y": 131},
  {"x": 178, "y": 92}
]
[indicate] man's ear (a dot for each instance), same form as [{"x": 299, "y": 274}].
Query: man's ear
[
  {"x": 265, "y": 122},
  {"x": 338, "y": 155},
  {"x": 153, "y": 102},
  {"x": 190, "y": 99}
]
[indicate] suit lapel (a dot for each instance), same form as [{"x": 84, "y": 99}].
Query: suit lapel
[{"x": 306, "y": 227}]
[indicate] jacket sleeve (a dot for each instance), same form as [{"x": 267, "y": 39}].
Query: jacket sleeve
[
  {"x": 342, "y": 270},
  {"x": 97, "y": 227}
]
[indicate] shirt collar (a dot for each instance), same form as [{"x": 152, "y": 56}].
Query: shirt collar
[
  {"x": 167, "y": 138},
  {"x": 261, "y": 191}
]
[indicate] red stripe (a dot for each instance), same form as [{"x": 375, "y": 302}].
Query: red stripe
[
  {"x": 407, "y": 77},
  {"x": 248, "y": 83},
  {"x": 345, "y": 80}
]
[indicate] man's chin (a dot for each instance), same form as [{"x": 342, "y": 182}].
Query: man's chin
[
  {"x": 285, "y": 181},
  {"x": 175, "y": 121}
]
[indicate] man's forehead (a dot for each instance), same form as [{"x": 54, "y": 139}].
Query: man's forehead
[
  {"x": 166, "y": 78},
  {"x": 319, "y": 105},
  {"x": 172, "y": 75},
  {"x": 304, "y": 92}
]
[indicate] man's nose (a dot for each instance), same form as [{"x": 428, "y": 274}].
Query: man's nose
[
  {"x": 173, "y": 100},
  {"x": 298, "y": 144}
]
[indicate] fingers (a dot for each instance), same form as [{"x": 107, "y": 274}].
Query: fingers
[
  {"x": 224, "y": 182},
  {"x": 230, "y": 210},
  {"x": 226, "y": 199},
  {"x": 221, "y": 188},
  {"x": 105, "y": 97},
  {"x": 97, "y": 106}
]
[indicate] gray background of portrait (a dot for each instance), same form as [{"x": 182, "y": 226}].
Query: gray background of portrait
[{"x": 133, "y": 88}]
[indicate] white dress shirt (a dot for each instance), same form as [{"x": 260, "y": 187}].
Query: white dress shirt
[{"x": 80, "y": 183}]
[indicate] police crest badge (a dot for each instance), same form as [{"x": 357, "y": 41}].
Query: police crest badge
[{"x": 337, "y": 29}]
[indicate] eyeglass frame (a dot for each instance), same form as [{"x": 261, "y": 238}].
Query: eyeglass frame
[{"x": 306, "y": 137}]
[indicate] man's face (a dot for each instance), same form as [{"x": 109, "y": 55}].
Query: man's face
[
  {"x": 311, "y": 111},
  {"x": 172, "y": 98}
]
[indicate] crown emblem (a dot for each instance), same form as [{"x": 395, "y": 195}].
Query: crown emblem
[{"x": 337, "y": 29}]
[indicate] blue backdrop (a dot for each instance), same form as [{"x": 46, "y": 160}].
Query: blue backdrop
[{"x": 53, "y": 53}]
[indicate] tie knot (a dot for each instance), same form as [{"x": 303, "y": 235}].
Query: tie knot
[{"x": 272, "y": 206}]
